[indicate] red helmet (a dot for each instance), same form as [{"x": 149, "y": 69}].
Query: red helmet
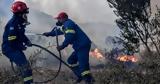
[
  {"x": 62, "y": 15},
  {"x": 19, "y": 7}
]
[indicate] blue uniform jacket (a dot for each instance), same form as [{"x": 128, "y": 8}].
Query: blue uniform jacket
[
  {"x": 73, "y": 35},
  {"x": 14, "y": 37}
]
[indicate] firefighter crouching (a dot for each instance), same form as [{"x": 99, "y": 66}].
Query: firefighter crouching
[
  {"x": 15, "y": 41},
  {"x": 79, "y": 59}
]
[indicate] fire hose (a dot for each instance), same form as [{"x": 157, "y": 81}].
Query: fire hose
[{"x": 59, "y": 58}]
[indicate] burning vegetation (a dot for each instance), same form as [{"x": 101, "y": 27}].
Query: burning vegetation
[
  {"x": 126, "y": 58},
  {"x": 96, "y": 53}
]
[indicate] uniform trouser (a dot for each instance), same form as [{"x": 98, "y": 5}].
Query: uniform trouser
[
  {"x": 79, "y": 61},
  {"x": 20, "y": 60}
]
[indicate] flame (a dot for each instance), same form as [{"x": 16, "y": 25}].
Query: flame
[
  {"x": 126, "y": 58},
  {"x": 96, "y": 53}
]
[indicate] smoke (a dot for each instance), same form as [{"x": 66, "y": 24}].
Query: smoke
[
  {"x": 154, "y": 3},
  {"x": 4, "y": 13},
  {"x": 94, "y": 17},
  {"x": 114, "y": 43},
  {"x": 5, "y": 8},
  {"x": 81, "y": 10}
]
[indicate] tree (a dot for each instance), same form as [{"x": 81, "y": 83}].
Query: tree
[
  {"x": 155, "y": 27},
  {"x": 134, "y": 22}
]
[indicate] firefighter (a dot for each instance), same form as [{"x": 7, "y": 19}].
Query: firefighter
[
  {"x": 79, "y": 59},
  {"x": 15, "y": 41}
]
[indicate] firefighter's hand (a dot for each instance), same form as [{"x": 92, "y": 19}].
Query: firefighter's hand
[
  {"x": 59, "y": 23},
  {"x": 24, "y": 48},
  {"x": 59, "y": 48},
  {"x": 29, "y": 44},
  {"x": 46, "y": 34}
]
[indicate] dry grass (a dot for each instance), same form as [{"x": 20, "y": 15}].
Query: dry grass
[{"x": 147, "y": 71}]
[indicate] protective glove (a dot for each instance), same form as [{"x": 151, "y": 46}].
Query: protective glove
[
  {"x": 46, "y": 34},
  {"x": 59, "y": 48},
  {"x": 59, "y": 23},
  {"x": 29, "y": 44}
]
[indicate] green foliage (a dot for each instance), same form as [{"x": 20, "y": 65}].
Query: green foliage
[{"x": 133, "y": 22}]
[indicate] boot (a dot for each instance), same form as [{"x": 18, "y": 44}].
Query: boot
[{"x": 89, "y": 79}]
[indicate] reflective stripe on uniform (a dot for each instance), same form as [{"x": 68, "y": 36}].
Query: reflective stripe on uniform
[
  {"x": 27, "y": 78},
  {"x": 70, "y": 31},
  {"x": 62, "y": 30},
  {"x": 10, "y": 38},
  {"x": 74, "y": 65},
  {"x": 85, "y": 73}
]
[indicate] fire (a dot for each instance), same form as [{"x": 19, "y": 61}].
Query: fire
[
  {"x": 96, "y": 53},
  {"x": 126, "y": 58}
]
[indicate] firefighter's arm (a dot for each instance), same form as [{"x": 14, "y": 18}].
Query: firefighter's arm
[
  {"x": 23, "y": 37},
  {"x": 69, "y": 37},
  {"x": 12, "y": 36},
  {"x": 53, "y": 33},
  {"x": 27, "y": 41}
]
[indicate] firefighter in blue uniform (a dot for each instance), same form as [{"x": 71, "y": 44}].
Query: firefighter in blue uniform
[
  {"x": 15, "y": 41},
  {"x": 79, "y": 59}
]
